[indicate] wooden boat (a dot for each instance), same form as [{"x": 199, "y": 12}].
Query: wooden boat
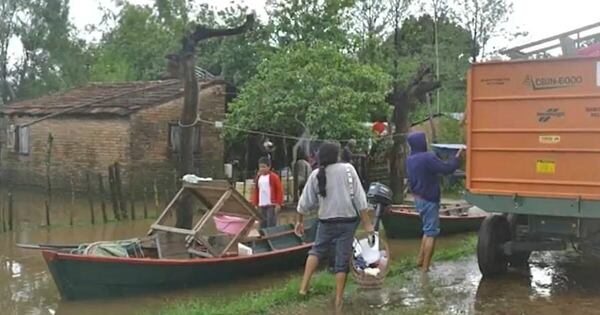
[
  {"x": 172, "y": 258},
  {"x": 80, "y": 276},
  {"x": 402, "y": 221}
]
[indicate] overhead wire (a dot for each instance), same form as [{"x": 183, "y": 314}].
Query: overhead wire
[{"x": 220, "y": 124}]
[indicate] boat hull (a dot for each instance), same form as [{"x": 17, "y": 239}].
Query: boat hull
[
  {"x": 85, "y": 277},
  {"x": 404, "y": 224}
]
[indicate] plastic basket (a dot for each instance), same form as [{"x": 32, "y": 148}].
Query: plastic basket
[{"x": 367, "y": 281}]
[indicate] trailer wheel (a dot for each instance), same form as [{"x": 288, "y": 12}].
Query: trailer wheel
[
  {"x": 494, "y": 232},
  {"x": 518, "y": 259}
]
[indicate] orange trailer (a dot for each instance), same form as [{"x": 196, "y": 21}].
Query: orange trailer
[{"x": 533, "y": 134}]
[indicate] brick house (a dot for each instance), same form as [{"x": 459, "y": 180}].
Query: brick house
[{"x": 92, "y": 127}]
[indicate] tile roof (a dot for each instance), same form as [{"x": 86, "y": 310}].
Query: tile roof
[{"x": 119, "y": 99}]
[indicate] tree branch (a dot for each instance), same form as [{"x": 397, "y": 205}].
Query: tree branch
[{"x": 202, "y": 33}]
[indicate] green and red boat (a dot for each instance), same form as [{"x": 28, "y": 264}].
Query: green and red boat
[
  {"x": 170, "y": 257},
  {"x": 80, "y": 276},
  {"x": 402, "y": 221}
]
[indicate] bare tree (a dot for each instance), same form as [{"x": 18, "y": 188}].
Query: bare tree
[
  {"x": 437, "y": 9},
  {"x": 483, "y": 19},
  {"x": 370, "y": 21}
]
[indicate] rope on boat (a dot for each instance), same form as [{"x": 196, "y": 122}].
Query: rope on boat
[{"x": 112, "y": 248}]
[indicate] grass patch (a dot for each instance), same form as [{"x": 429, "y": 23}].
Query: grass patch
[
  {"x": 255, "y": 303},
  {"x": 275, "y": 300}
]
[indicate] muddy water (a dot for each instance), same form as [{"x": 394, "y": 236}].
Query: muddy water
[
  {"x": 26, "y": 287},
  {"x": 552, "y": 284},
  {"x": 555, "y": 283}
]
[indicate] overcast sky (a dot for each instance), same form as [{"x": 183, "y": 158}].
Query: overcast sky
[{"x": 540, "y": 18}]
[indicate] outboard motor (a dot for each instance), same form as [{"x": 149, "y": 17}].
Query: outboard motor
[
  {"x": 380, "y": 196},
  {"x": 370, "y": 261}
]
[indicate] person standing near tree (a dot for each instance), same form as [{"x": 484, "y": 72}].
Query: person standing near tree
[
  {"x": 268, "y": 193},
  {"x": 302, "y": 170},
  {"x": 347, "y": 155},
  {"x": 424, "y": 169},
  {"x": 341, "y": 203}
]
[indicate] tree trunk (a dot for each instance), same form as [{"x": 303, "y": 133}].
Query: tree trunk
[
  {"x": 185, "y": 213},
  {"x": 184, "y": 62},
  {"x": 398, "y": 154}
]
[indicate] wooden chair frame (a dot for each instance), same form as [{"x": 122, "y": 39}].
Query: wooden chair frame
[{"x": 202, "y": 192}]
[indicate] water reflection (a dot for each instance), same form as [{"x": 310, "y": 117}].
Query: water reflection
[
  {"x": 553, "y": 283},
  {"x": 27, "y": 288}
]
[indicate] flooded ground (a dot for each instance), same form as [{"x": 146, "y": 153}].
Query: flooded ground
[
  {"x": 27, "y": 288},
  {"x": 554, "y": 283}
]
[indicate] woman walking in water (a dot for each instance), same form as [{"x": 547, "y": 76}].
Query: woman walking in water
[{"x": 335, "y": 191}]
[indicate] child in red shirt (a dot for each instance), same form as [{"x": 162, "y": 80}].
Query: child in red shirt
[{"x": 268, "y": 193}]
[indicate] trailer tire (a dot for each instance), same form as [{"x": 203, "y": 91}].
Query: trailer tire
[
  {"x": 519, "y": 259},
  {"x": 494, "y": 232}
]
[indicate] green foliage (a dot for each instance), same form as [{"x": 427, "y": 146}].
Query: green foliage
[
  {"x": 136, "y": 47},
  {"x": 417, "y": 46},
  {"x": 450, "y": 131},
  {"x": 234, "y": 58},
  {"x": 52, "y": 57},
  {"x": 256, "y": 303},
  {"x": 331, "y": 93},
  {"x": 310, "y": 22}
]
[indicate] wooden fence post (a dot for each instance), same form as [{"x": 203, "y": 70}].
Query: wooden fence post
[
  {"x": 48, "y": 163},
  {"x": 113, "y": 192},
  {"x": 72, "y": 207},
  {"x": 145, "y": 202},
  {"x": 119, "y": 188},
  {"x": 102, "y": 197},
  {"x": 3, "y": 215},
  {"x": 156, "y": 200},
  {"x": 90, "y": 198},
  {"x": 131, "y": 197}
]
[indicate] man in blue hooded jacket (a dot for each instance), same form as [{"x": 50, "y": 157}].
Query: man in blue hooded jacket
[{"x": 424, "y": 169}]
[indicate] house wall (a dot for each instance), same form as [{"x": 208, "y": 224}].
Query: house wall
[
  {"x": 80, "y": 145},
  {"x": 150, "y": 152},
  {"x": 91, "y": 144}
]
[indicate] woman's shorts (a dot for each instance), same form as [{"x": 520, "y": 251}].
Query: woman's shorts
[{"x": 337, "y": 236}]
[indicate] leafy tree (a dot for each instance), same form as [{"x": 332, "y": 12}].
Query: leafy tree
[
  {"x": 52, "y": 57},
  {"x": 416, "y": 46},
  {"x": 452, "y": 61},
  {"x": 135, "y": 48},
  {"x": 316, "y": 86},
  {"x": 310, "y": 21},
  {"x": 8, "y": 23}
]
